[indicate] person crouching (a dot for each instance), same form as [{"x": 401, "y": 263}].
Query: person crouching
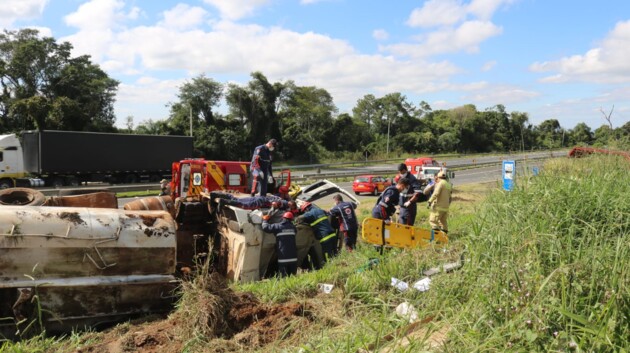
[{"x": 286, "y": 249}]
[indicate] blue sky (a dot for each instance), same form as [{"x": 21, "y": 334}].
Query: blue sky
[{"x": 554, "y": 59}]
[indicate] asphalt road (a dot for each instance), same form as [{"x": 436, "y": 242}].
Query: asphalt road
[{"x": 462, "y": 177}]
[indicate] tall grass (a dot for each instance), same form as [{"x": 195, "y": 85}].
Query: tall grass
[{"x": 550, "y": 264}]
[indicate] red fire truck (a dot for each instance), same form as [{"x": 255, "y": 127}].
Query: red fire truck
[{"x": 191, "y": 177}]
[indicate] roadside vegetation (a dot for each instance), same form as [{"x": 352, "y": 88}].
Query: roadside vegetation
[{"x": 546, "y": 268}]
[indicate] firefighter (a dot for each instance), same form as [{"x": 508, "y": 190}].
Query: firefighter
[
  {"x": 165, "y": 187},
  {"x": 408, "y": 197},
  {"x": 386, "y": 203},
  {"x": 286, "y": 249},
  {"x": 439, "y": 203},
  {"x": 283, "y": 193},
  {"x": 248, "y": 203},
  {"x": 261, "y": 167},
  {"x": 344, "y": 211},
  {"x": 318, "y": 220}
]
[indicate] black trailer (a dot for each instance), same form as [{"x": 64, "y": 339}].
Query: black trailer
[{"x": 69, "y": 157}]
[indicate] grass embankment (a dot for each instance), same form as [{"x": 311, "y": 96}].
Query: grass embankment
[{"x": 547, "y": 269}]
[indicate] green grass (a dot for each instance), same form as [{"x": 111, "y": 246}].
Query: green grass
[
  {"x": 546, "y": 269},
  {"x": 141, "y": 193}
]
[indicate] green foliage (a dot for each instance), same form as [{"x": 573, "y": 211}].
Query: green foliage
[{"x": 43, "y": 87}]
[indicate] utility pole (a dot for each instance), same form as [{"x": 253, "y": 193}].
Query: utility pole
[
  {"x": 389, "y": 123},
  {"x": 190, "y": 117}
]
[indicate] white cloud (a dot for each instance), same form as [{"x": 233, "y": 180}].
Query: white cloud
[
  {"x": 503, "y": 94},
  {"x": 183, "y": 16},
  {"x": 485, "y": 9},
  {"x": 308, "y": 2},
  {"x": 607, "y": 63},
  {"x": 14, "y": 10},
  {"x": 437, "y": 13},
  {"x": 236, "y": 9},
  {"x": 467, "y": 37},
  {"x": 96, "y": 15},
  {"x": 489, "y": 65},
  {"x": 380, "y": 34}
]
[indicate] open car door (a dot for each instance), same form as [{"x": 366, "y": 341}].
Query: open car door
[{"x": 321, "y": 189}]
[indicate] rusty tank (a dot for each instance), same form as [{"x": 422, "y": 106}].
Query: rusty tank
[{"x": 84, "y": 266}]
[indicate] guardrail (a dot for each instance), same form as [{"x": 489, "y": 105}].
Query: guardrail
[{"x": 295, "y": 177}]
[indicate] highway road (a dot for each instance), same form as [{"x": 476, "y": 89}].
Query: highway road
[{"x": 462, "y": 177}]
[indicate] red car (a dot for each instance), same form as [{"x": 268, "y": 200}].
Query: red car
[{"x": 370, "y": 183}]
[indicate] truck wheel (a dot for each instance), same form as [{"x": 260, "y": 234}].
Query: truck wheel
[
  {"x": 57, "y": 182},
  {"x": 131, "y": 179},
  {"x": 73, "y": 181},
  {"x": 6, "y": 183},
  {"x": 22, "y": 197}
]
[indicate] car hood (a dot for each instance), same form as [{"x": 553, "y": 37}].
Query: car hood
[{"x": 321, "y": 189}]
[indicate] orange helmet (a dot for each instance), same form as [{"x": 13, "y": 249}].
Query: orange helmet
[
  {"x": 305, "y": 206},
  {"x": 288, "y": 215}
]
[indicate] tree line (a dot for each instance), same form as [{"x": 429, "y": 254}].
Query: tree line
[{"x": 43, "y": 87}]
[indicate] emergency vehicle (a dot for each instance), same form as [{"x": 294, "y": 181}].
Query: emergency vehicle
[
  {"x": 426, "y": 168},
  {"x": 191, "y": 177}
]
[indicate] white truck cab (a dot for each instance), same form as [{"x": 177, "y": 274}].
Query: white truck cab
[{"x": 11, "y": 161}]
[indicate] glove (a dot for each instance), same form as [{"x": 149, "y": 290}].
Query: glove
[
  {"x": 406, "y": 204},
  {"x": 387, "y": 221},
  {"x": 266, "y": 217}
]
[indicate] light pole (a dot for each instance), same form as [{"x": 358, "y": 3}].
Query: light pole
[
  {"x": 389, "y": 123},
  {"x": 190, "y": 117}
]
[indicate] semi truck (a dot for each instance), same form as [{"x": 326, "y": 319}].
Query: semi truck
[{"x": 59, "y": 158}]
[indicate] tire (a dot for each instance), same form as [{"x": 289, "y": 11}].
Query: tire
[
  {"x": 6, "y": 183},
  {"x": 57, "y": 182},
  {"x": 21, "y": 197},
  {"x": 131, "y": 179},
  {"x": 73, "y": 181},
  {"x": 356, "y": 193},
  {"x": 375, "y": 191}
]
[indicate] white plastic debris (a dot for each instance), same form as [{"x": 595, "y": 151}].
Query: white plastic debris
[
  {"x": 407, "y": 312},
  {"x": 423, "y": 284},
  {"x": 400, "y": 285},
  {"x": 325, "y": 287}
]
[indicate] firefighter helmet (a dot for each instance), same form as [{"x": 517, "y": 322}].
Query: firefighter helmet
[
  {"x": 288, "y": 215},
  {"x": 305, "y": 206}
]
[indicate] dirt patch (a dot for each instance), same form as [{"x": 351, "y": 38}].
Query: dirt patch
[
  {"x": 72, "y": 217},
  {"x": 227, "y": 321},
  {"x": 148, "y": 220}
]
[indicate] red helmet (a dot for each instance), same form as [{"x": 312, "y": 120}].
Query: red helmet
[
  {"x": 288, "y": 215},
  {"x": 283, "y": 189},
  {"x": 305, "y": 206}
]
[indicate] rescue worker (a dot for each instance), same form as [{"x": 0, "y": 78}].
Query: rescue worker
[
  {"x": 386, "y": 203},
  {"x": 165, "y": 187},
  {"x": 439, "y": 203},
  {"x": 261, "y": 167},
  {"x": 286, "y": 249},
  {"x": 408, "y": 197},
  {"x": 248, "y": 203},
  {"x": 283, "y": 192},
  {"x": 293, "y": 208},
  {"x": 318, "y": 220},
  {"x": 344, "y": 211}
]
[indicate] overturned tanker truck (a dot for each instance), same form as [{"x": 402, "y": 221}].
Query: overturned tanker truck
[{"x": 74, "y": 267}]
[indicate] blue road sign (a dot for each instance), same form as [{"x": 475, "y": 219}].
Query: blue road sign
[{"x": 509, "y": 174}]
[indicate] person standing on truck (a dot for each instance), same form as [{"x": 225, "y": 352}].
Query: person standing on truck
[
  {"x": 344, "y": 211},
  {"x": 286, "y": 248},
  {"x": 165, "y": 187},
  {"x": 439, "y": 203},
  {"x": 324, "y": 232},
  {"x": 261, "y": 167},
  {"x": 386, "y": 203},
  {"x": 408, "y": 197}
]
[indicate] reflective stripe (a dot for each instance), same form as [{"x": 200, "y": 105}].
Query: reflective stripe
[
  {"x": 327, "y": 237},
  {"x": 442, "y": 209},
  {"x": 286, "y": 233},
  {"x": 382, "y": 204},
  {"x": 281, "y": 261},
  {"x": 319, "y": 220}
]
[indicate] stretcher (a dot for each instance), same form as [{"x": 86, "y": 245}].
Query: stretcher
[{"x": 375, "y": 231}]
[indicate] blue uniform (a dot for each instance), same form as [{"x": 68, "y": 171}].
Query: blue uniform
[
  {"x": 344, "y": 211},
  {"x": 386, "y": 203},
  {"x": 261, "y": 169},
  {"x": 318, "y": 220},
  {"x": 254, "y": 202},
  {"x": 408, "y": 214},
  {"x": 286, "y": 249}
]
